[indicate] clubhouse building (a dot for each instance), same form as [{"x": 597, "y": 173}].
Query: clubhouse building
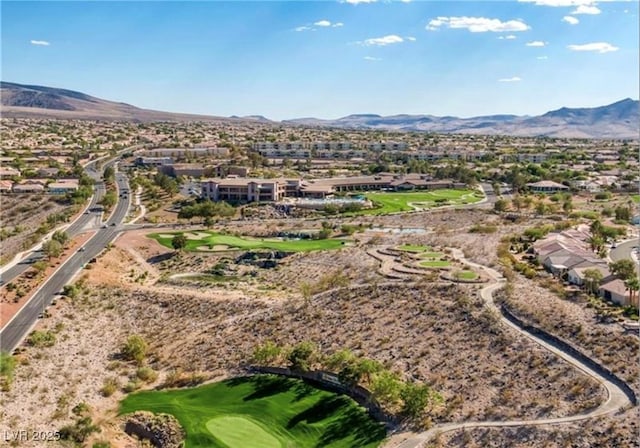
[{"x": 241, "y": 190}]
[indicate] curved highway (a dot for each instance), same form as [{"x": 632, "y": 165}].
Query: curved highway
[{"x": 19, "y": 326}]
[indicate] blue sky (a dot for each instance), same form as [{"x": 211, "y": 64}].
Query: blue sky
[{"x": 328, "y": 59}]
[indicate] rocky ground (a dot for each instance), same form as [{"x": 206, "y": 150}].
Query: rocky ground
[
  {"x": 433, "y": 332},
  {"x": 21, "y": 215}
]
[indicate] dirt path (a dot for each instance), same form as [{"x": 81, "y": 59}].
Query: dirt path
[{"x": 616, "y": 400}]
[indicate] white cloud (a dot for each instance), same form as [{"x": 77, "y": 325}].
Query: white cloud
[
  {"x": 570, "y": 20},
  {"x": 477, "y": 24},
  {"x": 587, "y": 9},
  {"x": 42, "y": 43},
  {"x": 536, "y": 43},
  {"x": 559, "y": 3},
  {"x": 411, "y": 38},
  {"x": 600, "y": 47},
  {"x": 542, "y": 57},
  {"x": 382, "y": 41},
  {"x": 321, "y": 24},
  {"x": 371, "y": 58},
  {"x": 512, "y": 79},
  {"x": 508, "y": 37}
]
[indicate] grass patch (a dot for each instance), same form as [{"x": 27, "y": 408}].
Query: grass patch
[
  {"x": 466, "y": 275},
  {"x": 386, "y": 203},
  {"x": 432, "y": 255},
  {"x": 262, "y": 411},
  {"x": 211, "y": 239},
  {"x": 435, "y": 264},
  {"x": 635, "y": 198},
  {"x": 413, "y": 248}
]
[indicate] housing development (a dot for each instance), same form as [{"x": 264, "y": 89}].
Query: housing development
[
  {"x": 320, "y": 224},
  {"x": 215, "y": 284}
]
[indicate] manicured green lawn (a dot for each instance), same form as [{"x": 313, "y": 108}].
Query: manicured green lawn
[
  {"x": 466, "y": 275},
  {"x": 437, "y": 255},
  {"x": 263, "y": 411},
  {"x": 245, "y": 242},
  {"x": 413, "y": 248},
  {"x": 403, "y": 202},
  {"x": 435, "y": 264}
]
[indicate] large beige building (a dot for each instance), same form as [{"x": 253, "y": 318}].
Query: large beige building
[{"x": 237, "y": 189}]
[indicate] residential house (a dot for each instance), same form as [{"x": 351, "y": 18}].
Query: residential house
[
  {"x": 616, "y": 291},
  {"x": 7, "y": 171},
  {"x": 63, "y": 186},
  {"x": 28, "y": 188},
  {"x": 5, "y": 186},
  {"x": 547, "y": 186},
  {"x": 576, "y": 275}
]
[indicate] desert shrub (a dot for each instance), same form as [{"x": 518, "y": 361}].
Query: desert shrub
[
  {"x": 109, "y": 387},
  {"x": 147, "y": 374},
  {"x": 480, "y": 228},
  {"x": 79, "y": 431},
  {"x": 266, "y": 353},
  {"x": 135, "y": 349},
  {"x": 42, "y": 338},
  {"x": 7, "y": 367}
]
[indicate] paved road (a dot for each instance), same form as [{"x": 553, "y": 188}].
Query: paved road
[
  {"x": 616, "y": 397},
  {"x": 623, "y": 250},
  {"x": 78, "y": 226},
  {"x": 19, "y": 326}
]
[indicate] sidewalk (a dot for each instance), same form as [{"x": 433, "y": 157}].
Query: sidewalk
[{"x": 24, "y": 254}]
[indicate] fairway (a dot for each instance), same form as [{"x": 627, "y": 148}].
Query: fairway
[
  {"x": 386, "y": 203},
  {"x": 435, "y": 264},
  {"x": 262, "y": 411},
  {"x": 413, "y": 248},
  {"x": 204, "y": 241},
  {"x": 466, "y": 275}
]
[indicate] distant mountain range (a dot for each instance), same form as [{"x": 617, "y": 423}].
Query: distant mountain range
[
  {"x": 618, "y": 120},
  {"x": 24, "y": 101}
]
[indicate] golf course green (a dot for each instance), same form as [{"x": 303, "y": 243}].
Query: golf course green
[
  {"x": 413, "y": 248},
  {"x": 262, "y": 411},
  {"x": 385, "y": 203},
  {"x": 206, "y": 240}
]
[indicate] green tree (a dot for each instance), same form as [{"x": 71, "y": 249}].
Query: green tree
[
  {"x": 60, "y": 236},
  {"x": 632, "y": 285},
  {"x": 109, "y": 199},
  {"x": 386, "y": 387},
  {"x": 302, "y": 356},
  {"x": 179, "y": 242},
  {"x": 623, "y": 269},
  {"x": 135, "y": 349},
  {"x": 417, "y": 399},
  {"x": 500, "y": 205},
  {"x": 592, "y": 279},
  {"x": 623, "y": 214},
  {"x": 267, "y": 353},
  {"x": 109, "y": 174},
  {"x": 52, "y": 248}
]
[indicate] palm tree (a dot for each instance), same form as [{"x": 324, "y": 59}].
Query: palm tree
[{"x": 632, "y": 285}]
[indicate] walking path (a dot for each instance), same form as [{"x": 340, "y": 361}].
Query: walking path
[{"x": 617, "y": 399}]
